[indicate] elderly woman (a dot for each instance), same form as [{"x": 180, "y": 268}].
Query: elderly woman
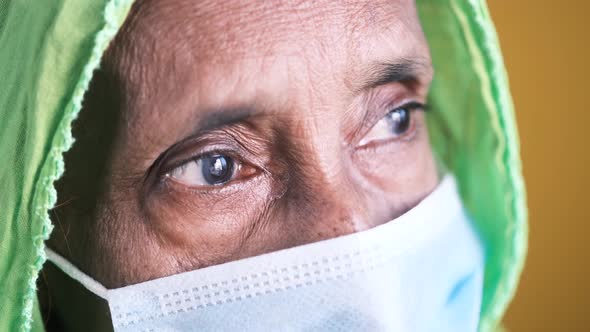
[{"x": 259, "y": 166}]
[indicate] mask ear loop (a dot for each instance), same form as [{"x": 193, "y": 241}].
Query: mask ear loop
[{"x": 74, "y": 273}]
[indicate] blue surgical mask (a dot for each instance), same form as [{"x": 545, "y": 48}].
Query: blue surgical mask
[{"x": 420, "y": 272}]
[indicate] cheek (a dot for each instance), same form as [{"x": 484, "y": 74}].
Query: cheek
[
  {"x": 405, "y": 171},
  {"x": 212, "y": 227}
]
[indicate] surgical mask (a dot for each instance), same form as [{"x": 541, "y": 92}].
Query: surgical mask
[{"x": 420, "y": 272}]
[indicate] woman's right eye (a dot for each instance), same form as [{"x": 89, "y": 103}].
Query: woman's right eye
[{"x": 207, "y": 170}]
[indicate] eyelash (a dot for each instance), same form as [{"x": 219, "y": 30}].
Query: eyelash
[
  {"x": 410, "y": 106},
  {"x": 413, "y": 106}
]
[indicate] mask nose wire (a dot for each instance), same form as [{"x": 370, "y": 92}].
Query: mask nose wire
[{"x": 73, "y": 272}]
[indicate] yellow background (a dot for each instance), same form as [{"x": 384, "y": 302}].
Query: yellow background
[{"x": 546, "y": 47}]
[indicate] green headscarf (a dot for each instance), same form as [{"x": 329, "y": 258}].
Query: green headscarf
[{"x": 49, "y": 50}]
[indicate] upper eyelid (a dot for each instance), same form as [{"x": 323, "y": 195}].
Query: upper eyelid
[
  {"x": 372, "y": 118},
  {"x": 200, "y": 139},
  {"x": 410, "y": 105},
  {"x": 216, "y": 141}
]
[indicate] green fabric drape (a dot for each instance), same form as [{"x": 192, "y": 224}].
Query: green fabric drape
[
  {"x": 473, "y": 131},
  {"x": 49, "y": 49}
]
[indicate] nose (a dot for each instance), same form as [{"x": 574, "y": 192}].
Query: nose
[
  {"x": 320, "y": 209},
  {"x": 325, "y": 196}
]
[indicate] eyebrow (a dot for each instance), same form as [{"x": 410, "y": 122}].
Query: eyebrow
[
  {"x": 404, "y": 70},
  {"x": 220, "y": 117}
]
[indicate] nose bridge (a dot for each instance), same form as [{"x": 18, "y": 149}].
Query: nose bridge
[
  {"x": 329, "y": 201},
  {"x": 323, "y": 187}
]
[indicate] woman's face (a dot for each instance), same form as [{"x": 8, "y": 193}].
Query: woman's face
[{"x": 216, "y": 131}]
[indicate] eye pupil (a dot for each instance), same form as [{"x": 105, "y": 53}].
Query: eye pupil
[
  {"x": 399, "y": 120},
  {"x": 217, "y": 169}
]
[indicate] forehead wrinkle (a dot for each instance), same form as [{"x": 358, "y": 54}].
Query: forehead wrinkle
[
  {"x": 208, "y": 24},
  {"x": 189, "y": 19},
  {"x": 206, "y": 37},
  {"x": 206, "y": 32}
]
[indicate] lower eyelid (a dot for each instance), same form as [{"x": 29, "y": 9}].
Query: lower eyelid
[
  {"x": 385, "y": 149},
  {"x": 403, "y": 137},
  {"x": 241, "y": 172},
  {"x": 171, "y": 185}
]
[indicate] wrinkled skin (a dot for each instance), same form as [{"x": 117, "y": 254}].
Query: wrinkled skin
[{"x": 289, "y": 90}]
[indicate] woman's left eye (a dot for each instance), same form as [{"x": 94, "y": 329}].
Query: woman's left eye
[
  {"x": 208, "y": 170},
  {"x": 397, "y": 123}
]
